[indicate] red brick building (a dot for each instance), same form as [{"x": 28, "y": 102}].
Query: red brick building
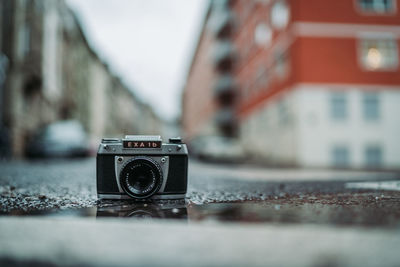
[{"x": 316, "y": 82}]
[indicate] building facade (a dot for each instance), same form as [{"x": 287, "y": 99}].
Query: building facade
[
  {"x": 318, "y": 81},
  {"x": 49, "y": 72},
  {"x": 209, "y": 95}
]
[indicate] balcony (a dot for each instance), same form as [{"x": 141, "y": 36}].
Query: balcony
[
  {"x": 222, "y": 23},
  {"x": 224, "y": 55},
  {"x": 225, "y": 89},
  {"x": 225, "y": 120}
]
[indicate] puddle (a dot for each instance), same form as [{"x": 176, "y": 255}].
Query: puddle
[
  {"x": 160, "y": 210},
  {"x": 383, "y": 185},
  {"x": 374, "y": 215},
  {"x": 363, "y": 209},
  {"x": 171, "y": 209}
]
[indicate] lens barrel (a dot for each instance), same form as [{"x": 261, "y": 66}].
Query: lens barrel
[{"x": 141, "y": 177}]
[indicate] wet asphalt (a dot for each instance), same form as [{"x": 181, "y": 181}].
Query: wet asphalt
[
  {"x": 234, "y": 215},
  {"x": 44, "y": 185},
  {"x": 225, "y": 193}
]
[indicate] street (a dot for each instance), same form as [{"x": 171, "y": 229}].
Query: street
[
  {"x": 234, "y": 215},
  {"x": 200, "y": 133}
]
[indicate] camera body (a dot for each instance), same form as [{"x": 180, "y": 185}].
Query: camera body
[{"x": 141, "y": 167}]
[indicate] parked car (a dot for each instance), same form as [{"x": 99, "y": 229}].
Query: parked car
[
  {"x": 60, "y": 139},
  {"x": 217, "y": 149}
]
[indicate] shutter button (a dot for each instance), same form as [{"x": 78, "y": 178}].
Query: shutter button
[{"x": 175, "y": 140}]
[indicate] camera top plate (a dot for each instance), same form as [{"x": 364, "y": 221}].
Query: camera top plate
[
  {"x": 143, "y": 137},
  {"x": 141, "y": 144}
]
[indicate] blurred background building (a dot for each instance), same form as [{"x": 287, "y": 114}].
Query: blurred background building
[
  {"x": 299, "y": 82},
  {"x": 49, "y": 72}
]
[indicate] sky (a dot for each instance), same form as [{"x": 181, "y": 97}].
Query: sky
[{"x": 148, "y": 44}]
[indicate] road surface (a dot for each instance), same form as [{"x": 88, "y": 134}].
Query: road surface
[{"x": 233, "y": 216}]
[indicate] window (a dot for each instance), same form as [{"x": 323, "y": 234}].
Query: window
[
  {"x": 338, "y": 106},
  {"x": 340, "y": 156},
  {"x": 283, "y": 113},
  {"x": 265, "y": 118},
  {"x": 280, "y": 15},
  {"x": 371, "y": 106},
  {"x": 379, "y": 54},
  {"x": 24, "y": 40},
  {"x": 281, "y": 65},
  {"x": 376, "y": 6},
  {"x": 262, "y": 34},
  {"x": 373, "y": 156},
  {"x": 262, "y": 78}
]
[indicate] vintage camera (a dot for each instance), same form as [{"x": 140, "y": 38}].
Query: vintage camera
[{"x": 142, "y": 167}]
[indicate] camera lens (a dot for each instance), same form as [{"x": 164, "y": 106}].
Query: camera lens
[{"x": 141, "y": 177}]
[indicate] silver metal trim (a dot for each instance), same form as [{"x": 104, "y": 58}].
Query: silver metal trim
[
  {"x": 164, "y": 168},
  {"x": 122, "y": 197},
  {"x": 166, "y": 149},
  {"x": 143, "y": 137}
]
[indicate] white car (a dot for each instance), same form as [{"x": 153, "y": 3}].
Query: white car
[
  {"x": 60, "y": 139},
  {"x": 217, "y": 148}
]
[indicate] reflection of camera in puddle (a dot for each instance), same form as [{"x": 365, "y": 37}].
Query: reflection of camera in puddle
[
  {"x": 144, "y": 210},
  {"x": 144, "y": 214}
]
